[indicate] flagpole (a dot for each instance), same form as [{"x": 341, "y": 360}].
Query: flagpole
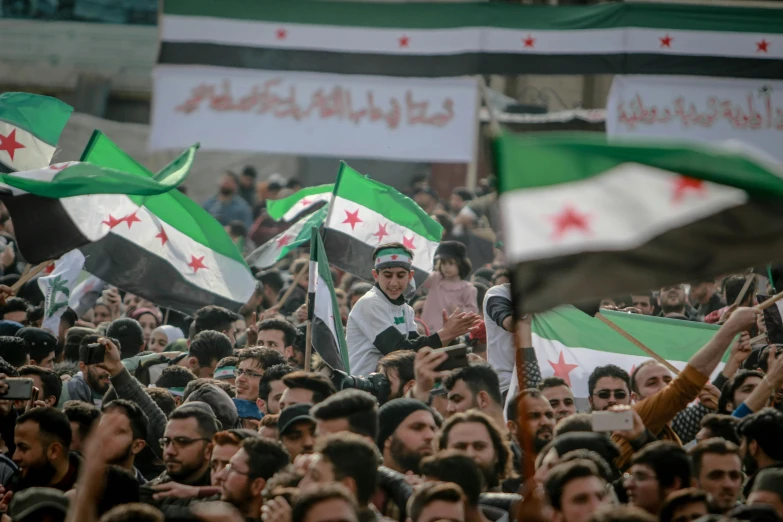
[
  {"x": 290, "y": 290},
  {"x": 29, "y": 274},
  {"x": 309, "y": 341},
  {"x": 636, "y": 342}
]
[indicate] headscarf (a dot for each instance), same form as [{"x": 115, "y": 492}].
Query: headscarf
[{"x": 173, "y": 333}]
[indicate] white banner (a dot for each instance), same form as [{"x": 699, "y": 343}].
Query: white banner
[
  {"x": 56, "y": 288},
  {"x": 410, "y": 119},
  {"x": 699, "y": 109}
]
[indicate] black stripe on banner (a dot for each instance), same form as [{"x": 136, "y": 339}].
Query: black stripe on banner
[
  {"x": 324, "y": 345},
  {"x": 348, "y": 254},
  {"x": 43, "y": 229},
  {"x": 276, "y": 59},
  {"x": 722, "y": 243},
  {"x": 128, "y": 266},
  {"x": 5, "y": 169}
]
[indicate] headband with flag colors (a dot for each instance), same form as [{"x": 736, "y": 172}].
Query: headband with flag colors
[
  {"x": 584, "y": 218},
  {"x": 392, "y": 257}
]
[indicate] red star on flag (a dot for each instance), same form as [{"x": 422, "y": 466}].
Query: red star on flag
[
  {"x": 530, "y": 42},
  {"x": 196, "y": 263},
  {"x": 394, "y": 257},
  {"x": 381, "y": 232},
  {"x": 162, "y": 236},
  {"x": 762, "y": 46},
  {"x": 352, "y": 218},
  {"x": 562, "y": 369},
  {"x": 305, "y": 202},
  {"x": 49, "y": 268},
  {"x": 408, "y": 242},
  {"x": 130, "y": 219},
  {"x": 684, "y": 184},
  {"x": 404, "y": 41},
  {"x": 9, "y": 144},
  {"x": 112, "y": 221},
  {"x": 283, "y": 241},
  {"x": 281, "y": 34},
  {"x": 60, "y": 166},
  {"x": 569, "y": 219},
  {"x": 666, "y": 41}
]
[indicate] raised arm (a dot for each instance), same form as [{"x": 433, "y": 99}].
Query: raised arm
[{"x": 707, "y": 359}]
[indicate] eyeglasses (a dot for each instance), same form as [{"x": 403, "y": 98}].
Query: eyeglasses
[
  {"x": 254, "y": 375},
  {"x": 605, "y": 394},
  {"x": 638, "y": 477},
  {"x": 179, "y": 442},
  {"x": 229, "y": 468}
]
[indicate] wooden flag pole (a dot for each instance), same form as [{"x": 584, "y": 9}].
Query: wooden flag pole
[
  {"x": 748, "y": 280},
  {"x": 769, "y": 302},
  {"x": 290, "y": 290},
  {"x": 309, "y": 345},
  {"x": 29, "y": 274},
  {"x": 636, "y": 342}
]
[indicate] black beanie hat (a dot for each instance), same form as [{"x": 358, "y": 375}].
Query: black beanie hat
[
  {"x": 393, "y": 413},
  {"x": 450, "y": 250}
]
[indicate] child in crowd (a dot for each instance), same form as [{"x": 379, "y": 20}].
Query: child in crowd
[{"x": 449, "y": 287}]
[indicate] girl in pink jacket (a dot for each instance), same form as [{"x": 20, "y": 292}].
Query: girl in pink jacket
[{"x": 448, "y": 286}]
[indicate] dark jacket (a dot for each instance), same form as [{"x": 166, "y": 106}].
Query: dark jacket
[{"x": 171, "y": 507}]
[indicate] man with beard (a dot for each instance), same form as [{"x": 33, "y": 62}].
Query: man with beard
[
  {"x": 92, "y": 381},
  {"x": 560, "y": 397},
  {"x": 398, "y": 369},
  {"x": 347, "y": 410},
  {"x": 477, "y": 435},
  {"x": 657, "y": 470},
  {"x": 48, "y": 382},
  {"x": 406, "y": 435},
  {"x": 42, "y": 438},
  {"x": 271, "y": 388},
  {"x": 297, "y": 430},
  {"x": 227, "y": 206},
  {"x": 131, "y": 426},
  {"x": 475, "y": 387},
  {"x": 253, "y": 362},
  {"x": 717, "y": 467},
  {"x": 761, "y": 434},
  {"x": 674, "y": 304},
  {"x": 245, "y": 477},
  {"x": 540, "y": 422},
  {"x": 456, "y": 467}
]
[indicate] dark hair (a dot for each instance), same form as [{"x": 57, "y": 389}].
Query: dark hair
[
  {"x": 133, "y": 512},
  {"x": 714, "y": 445},
  {"x": 175, "y": 377},
  {"x": 265, "y": 357},
  {"x": 120, "y": 487},
  {"x": 269, "y": 421},
  {"x": 52, "y": 384},
  {"x": 552, "y": 382},
  {"x": 359, "y": 408},
  {"x": 358, "y": 289},
  {"x": 478, "y": 377},
  {"x": 503, "y": 467},
  {"x": 723, "y": 426},
  {"x": 607, "y": 471},
  {"x": 209, "y": 345},
  {"x": 610, "y": 370},
  {"x": 680, "y": 499},
  {"x": 228, "y": 361},
  {"x": 481, "y": 292},
  {"x": 731, "y": 387},
  {"x": 272, "y": 374},
  {"x": 138, "y": 419},
  {"x": 732, "y": 286},
  {"x": 289, "y": 330},
  {"x": 391, "y": 245},
  {"x": 265, "y": 457},
  {"x": 237, "y": 228},
  {"x": 51, "y": 422},
  {"x": 432, "y": 492},
  {"x": 82, "y": 413},
  {"x": 129, "y": 334},
  {"x": 764, "y": 355},
  {"x": 622, "y": 513},
  {"x": 272, "y": 279},
  {"x": 73, "y": 340},
  {"x": 766, "y": 428},
  {"x": 7, "y": 369},
  {"x": 14, "y": 350},
  {"x": 308, "y": 500},
  {"x": 457, "y": 467},
  {"x": 315, "y": 382},
  {"x": 464, "y": 266},
  {"x": 400, "y": 360},
  {"x": 215, "y": 318},
  {"x": 649, "y": 362},
  {"x": 69, "y": 316},
  {"x": 207, "y": 423},
  {"x": 560, "y": 475},
  {"x": 502, "y": 272},
  {"x": 14, "y": 304},
  {"x": 668, "y": 460},
  {"x": 512, "y": 406},
  {"x": 203, "y": 381},
  {"x": 577, "y": 422},
  {"x": 353, "y": 456},
  {"x": 35, "y": 314},
  {"x": 163, "y": 398}
]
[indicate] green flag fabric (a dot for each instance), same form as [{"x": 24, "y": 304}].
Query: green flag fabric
[
  {"x": 290, "y": 207},
  {"x": 297, "y": 235}
]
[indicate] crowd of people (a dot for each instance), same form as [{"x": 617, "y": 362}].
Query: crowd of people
[{"x": 222, "y": 416}]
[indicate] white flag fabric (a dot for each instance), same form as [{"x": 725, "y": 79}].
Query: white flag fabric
[{"x": 57, "y": 286}]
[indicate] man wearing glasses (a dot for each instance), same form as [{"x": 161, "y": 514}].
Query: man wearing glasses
[
  {"x": 608, "y": 386},
  {"x": 252, "y": 364}
]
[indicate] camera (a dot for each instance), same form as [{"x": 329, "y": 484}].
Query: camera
[{"x": 375, "y": 383}]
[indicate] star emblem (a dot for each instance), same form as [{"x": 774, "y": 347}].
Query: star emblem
[
  {"x": 60, "y": 166},
  {"x": 305, "y": 202},
  {"x": 569, "y": 219},
  {"x": 394, "y": 257},
  {"x": 283, "y": 241},
  {"x": 281, "y": 34},
  {"x": 381, "y": 232},
  {"x": 112, "y": 221},
  {"x": 130, "y": 219},
  {"x": 666, "y": 41},
  {"x": 404, "y": 41},
  {"x": 162, "y": 236},
  {"x": 684, "y": 184},
  {"x": 562, "y": 368},
  {"x": 762, "y": 46},
  {"x": 9, "y": 144},
  {"x": 408, "y": 242},
  {"x": 530, "y": 42},
  {"x": 196, "y": 263},
  {"x": 352, "y": 218}
]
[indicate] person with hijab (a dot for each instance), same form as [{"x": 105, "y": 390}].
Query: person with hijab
[{"x": 163, "y": 336}]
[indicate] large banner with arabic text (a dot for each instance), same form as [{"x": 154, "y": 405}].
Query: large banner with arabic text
[
  {"x": 699, "y": 109},
  {"x": 410, "y": 119}
]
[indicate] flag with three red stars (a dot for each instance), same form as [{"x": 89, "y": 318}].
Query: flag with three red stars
[
  {"x": 584, "y": 218},
  {"x": 364, "y": 213},
  {"x": 297, "y": 235}
]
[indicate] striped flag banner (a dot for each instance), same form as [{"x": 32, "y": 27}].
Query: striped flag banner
[
  {"x": 290, "y": 207},
  {"x": 584, "y": 218},
  {"x": 297, "y": 235},
  {"x": 455, "y": 39}
]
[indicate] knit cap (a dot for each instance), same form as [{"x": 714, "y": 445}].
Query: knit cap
[{"x": 393, "y": 413}]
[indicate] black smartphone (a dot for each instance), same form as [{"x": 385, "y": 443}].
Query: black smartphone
[
  {"x": 94, "y": 355},
  {"x": 19, "y": 389},
  {"x": 458, "y": 357}
]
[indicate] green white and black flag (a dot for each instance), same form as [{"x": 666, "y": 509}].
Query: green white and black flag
[{"x": 57, "y": 286}]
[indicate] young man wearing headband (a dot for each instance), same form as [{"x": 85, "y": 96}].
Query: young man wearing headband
[{"x": 381, "y": 322}]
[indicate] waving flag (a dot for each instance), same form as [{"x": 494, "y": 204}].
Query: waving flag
[
  {"x": 297, "y": 235},
  {"x": 57, "y": 286},
  {"x": 290, "y": 207}
]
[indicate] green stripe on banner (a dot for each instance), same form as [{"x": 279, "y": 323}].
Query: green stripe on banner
[
  {"x": 277, "y": 208},
  {"x": 536, "y": 160},
  {"x": 41, "y": 116},
  {"x": 450, "y": 15},
  {"x": 385, "y": 200}
]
